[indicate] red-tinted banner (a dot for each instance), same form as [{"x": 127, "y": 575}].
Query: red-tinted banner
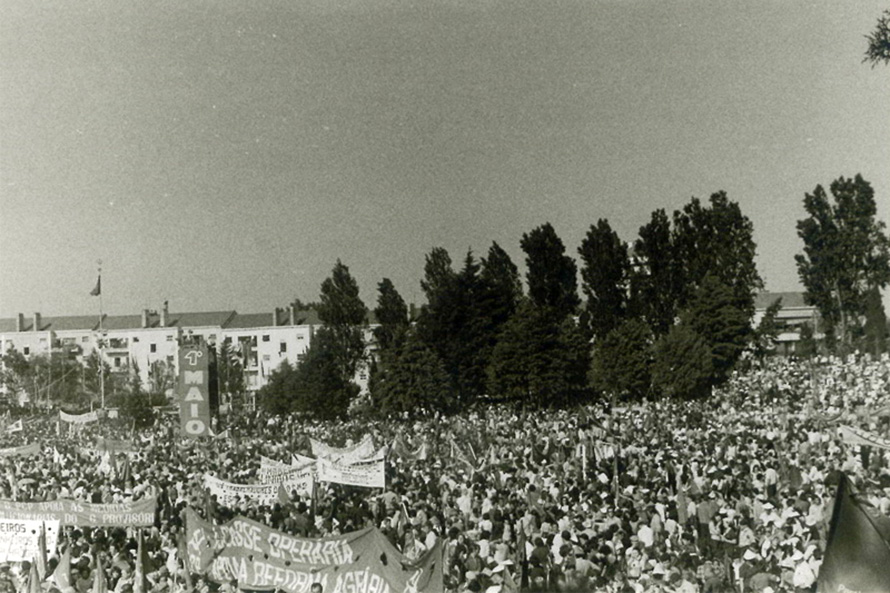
[{"x": 194, "y": 390}]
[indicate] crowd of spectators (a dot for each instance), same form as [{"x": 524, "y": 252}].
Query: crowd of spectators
[{"x": 731, "y": 493}]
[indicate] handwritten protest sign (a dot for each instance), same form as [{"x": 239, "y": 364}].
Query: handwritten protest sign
[
  {"x": 368, "y": 475},
  {"x": 345, "y": 455},
  {"x": 20, "y": 539}
]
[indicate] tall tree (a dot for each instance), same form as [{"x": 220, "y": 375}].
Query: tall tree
[
  {"x": 879, "y": 41},
  {"x": 682, "y": 366},
  {"x": 605, "y": 274},
  {"x": 448, "y": 323},
  {"x": 713, "y": 314},
  {"x": 550, "y": 273},
  {"x": 654, "y": 288},
  {"x": 317, "y": 386},
  {"x": 412, "y": 380},
  {"x": 622, "y": 361},
  {"x": 344, "y": 315},
  {"x": 230, "y": 372},
  {"x": 846, "y": 253},
  {"x": 392, "y": 316},
  {"x": 716, "y": 240},
  {"x": 540, "y": 360}
]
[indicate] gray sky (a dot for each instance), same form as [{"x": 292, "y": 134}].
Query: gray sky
[{"x": 224, "y": 154}]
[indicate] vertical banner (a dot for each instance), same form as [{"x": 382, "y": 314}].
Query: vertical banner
[{"x": 194, "y": 390}]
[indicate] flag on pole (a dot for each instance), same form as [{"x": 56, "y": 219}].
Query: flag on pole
[
  {"x": 100, "y": 585},
  {"x": 140, "y": 580},
  {"x": 857, "y": 555},
  {"x": 41, "y": 552},
  {"x": 34, "y": 579},
  {"x": 62, "y": 574},
  {"x": 98, "y": 289}
]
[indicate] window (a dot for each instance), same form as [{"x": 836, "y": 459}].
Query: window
[
  {"x": 300, "y": 337},
  {"x": 266, "y": 358},
  {"x": 152, "y": 347},
  {"x": 26, "y": 350},
  {"x": 212, "y": 337},
  {"x": 85, "y": 339},
  {"x": 169, "y": 338},
  {"x": 283, "y": 347},
  {"x": 266, "y": 338},
  {"x": 135, "y": 340},
  {"x": 43, "y": 340},
  {"x": 117, "y": 362}
]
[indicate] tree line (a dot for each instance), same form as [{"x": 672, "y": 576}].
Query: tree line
[{"x": 667, "y": 314}]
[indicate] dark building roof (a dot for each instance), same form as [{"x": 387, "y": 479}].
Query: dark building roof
[{"x": 789, "y": 299}]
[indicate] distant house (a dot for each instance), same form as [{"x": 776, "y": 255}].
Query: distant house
[{"x": 794, "y": 313}]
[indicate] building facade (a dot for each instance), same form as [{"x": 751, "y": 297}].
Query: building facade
[{"x": 141, "y": 344}]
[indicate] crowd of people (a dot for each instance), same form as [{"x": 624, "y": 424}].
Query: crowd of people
[{"x": 731, "y": 493}]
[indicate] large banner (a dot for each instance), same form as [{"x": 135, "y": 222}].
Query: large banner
[
  {"x": 20, "y": 539},
  {"x": 32, "y": 449},
  {"x": 857, "y": 436},
  {"x": 70, "y": 512},
  {"x": 79, "y": 418},
  {"x": 857, "y": 554},
  {"x": 194, "y": 390},
  {"x": 230, "y": 495},
  {"x": 345, "y": 455},
  {"x": 368, "y": 475},
  {"x": 114, "y": 445},
  {"x": 262, "y": 558}
]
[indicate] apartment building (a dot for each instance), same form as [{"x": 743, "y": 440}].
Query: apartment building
[{"x": 134, "y": 343}]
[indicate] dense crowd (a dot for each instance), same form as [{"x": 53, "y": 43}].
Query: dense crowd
[{"x": 729, "y": 494}]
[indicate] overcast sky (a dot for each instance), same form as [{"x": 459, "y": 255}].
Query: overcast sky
[{"x": 224, "y": 154}]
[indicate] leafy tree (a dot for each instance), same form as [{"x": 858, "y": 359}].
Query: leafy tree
[
  {"x": 654, "y": 289},
  {"x": 449, "y": 322},
  {"x": 879, "y": 41},
  {"x": 713, "y": 313},
  {"x": 715, "y": 240},
  {"x": 605, "y": 273},
  {"x": 276, "y": 396},
  {"x": 392, "y": 315},
  {"x": 413, "y": 380},
  {"x": 161, "y": 378},
  {"x": 498, "y": 294},
  {"x": 317, "y": 385},
  {"x": 682, "y": 366},
  {"x": 540, "y": 360},
  {"x": 344, "y": 315},
  {"x": 230, "y": 373},
  {"x": 846, "y": 253},
  {"x": 551, "y": 274},
  {"x": 875, "y": 330},
  {"x": 806, "y": 346},
  {"x": 622, "y": 361},
  {"x": 16, "y": 372},
  {"x": 767, "y": 330}
]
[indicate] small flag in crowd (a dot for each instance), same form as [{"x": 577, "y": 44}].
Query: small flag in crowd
[
  {"x": 857, "y": 556},
  {"x": 100, "y": 585},
  {"x": 62, "y": 574},
  {"x": 140, "y": 579},
  {"x": 41, "y": 552},
  {"x": 98, "y": 289},
  {"x": 34, "y": 579},
  {"x": 16, "y": 426}
]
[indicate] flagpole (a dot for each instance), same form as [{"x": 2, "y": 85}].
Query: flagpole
[{"x": 102, "y": 343}]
